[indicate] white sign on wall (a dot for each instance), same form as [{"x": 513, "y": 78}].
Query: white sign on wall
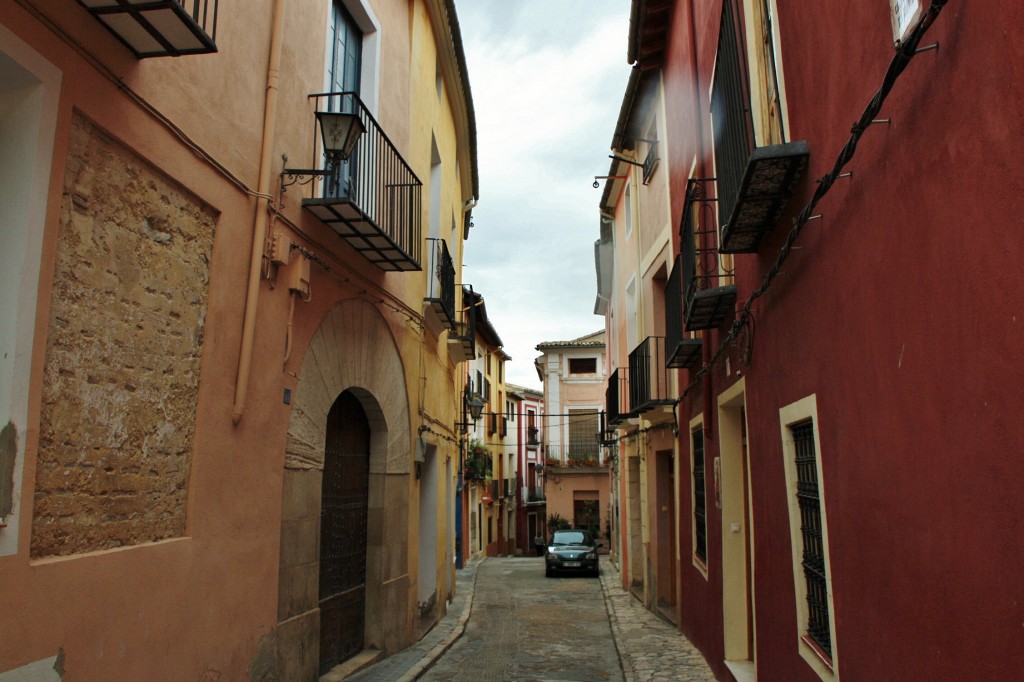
[{"x": 905, "y": 14}]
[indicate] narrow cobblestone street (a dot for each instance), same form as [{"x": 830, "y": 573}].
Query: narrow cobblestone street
[
  {"x": 509, "y": 622},
  {"x": 524, "y": 626}
]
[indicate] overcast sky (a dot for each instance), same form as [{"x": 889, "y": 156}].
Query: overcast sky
[{"x": 548, "y": 78}]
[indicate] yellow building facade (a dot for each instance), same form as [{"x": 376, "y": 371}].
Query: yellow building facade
[{"x": 229, "y": 382}]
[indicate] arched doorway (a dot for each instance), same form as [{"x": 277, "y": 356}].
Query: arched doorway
[
  {"x": 351, "y": 352},
  {"x": 343, "y": 514}
]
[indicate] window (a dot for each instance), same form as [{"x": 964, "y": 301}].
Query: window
[
  {"x": 700, "y": 523},
  {"x": 766, "y": 97},
  {"x": 810, "y": 529},
  {"x": 651, "y": 159},
  {"x": 583, "y": 428},
  {"x": 808, "y": 523},
  {"x": 346, "y": 51},
  {"x": 582, "y": 365}
]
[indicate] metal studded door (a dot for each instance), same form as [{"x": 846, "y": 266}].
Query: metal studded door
[{"x": 343, "y": 531}]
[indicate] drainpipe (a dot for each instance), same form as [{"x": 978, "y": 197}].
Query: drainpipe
[{"x": 260, "y": 222}]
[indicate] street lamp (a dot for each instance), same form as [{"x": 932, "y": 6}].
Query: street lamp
[
  {"x": 340, "y": 133},
  {"x": 476, "y": 408}
]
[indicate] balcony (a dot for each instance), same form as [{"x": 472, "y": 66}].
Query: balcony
[
  {"x": 710, "y": 293},
  {"x": 754, "y": 183},
  {"x": 510, "y": 488},
  {"x": 535, "y": 493},
  {"x": 650, "y": 161},
  {"x": 681, "y": 351},
  {"x": 462, "y": 337},
  {"x": 532, "y": 437},
  {"x": 372, "y": 199},
  {"x": 649, "y": 382},
  {"x": 765, "y": 188},
  {"x": 159, "y": 28},
  {"x": 440, "y": 299},
  {"x": 616, "y": 397},
  {"x": 582, "y": 456},
  {"x": 477, "y": 467}
]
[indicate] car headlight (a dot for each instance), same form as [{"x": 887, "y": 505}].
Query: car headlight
[
  {"x": 591, "y": 555},
  {"x": 551, "y": 550}
]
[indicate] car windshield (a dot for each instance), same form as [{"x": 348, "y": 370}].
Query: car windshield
[{"x": 571, "y": 537}]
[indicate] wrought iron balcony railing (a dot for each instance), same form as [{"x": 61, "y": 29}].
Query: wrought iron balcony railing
[
  {"x": 710, "y": 292},
  {"x": 578, "y": 456},
  {"x": 532, "y": 436},
  {"x": 754, "y": 183},
  {"x": 372, "y": 199},
  {"x": 680, "y": 350},
  {"x": 159, "y": 28},
  {"x": 535, "y": 493},
  {"x": 440, "y": 296},
  {"x": 462, "y": 337},
  {"x": 649, "y": 386},
  {"x": 651, "y": 161},
  {"x": 616, "y": 397}
]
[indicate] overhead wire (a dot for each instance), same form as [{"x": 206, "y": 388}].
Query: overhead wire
[{"x": 905, "y": 51}]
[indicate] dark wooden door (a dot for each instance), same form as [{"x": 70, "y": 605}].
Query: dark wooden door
[{"x": 343, "y": 531}]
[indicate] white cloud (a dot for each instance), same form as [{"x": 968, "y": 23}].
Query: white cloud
[{"x": 547, "y": 80}]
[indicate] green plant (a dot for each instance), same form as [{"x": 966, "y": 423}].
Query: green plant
[
  {"x": 478, "y": 464},
  {"x": 556, "y": 522}
]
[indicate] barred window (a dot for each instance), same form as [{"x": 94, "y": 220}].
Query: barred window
[
  {"x": 699, "y": 498},
  {"x": 809, "y": 502}
]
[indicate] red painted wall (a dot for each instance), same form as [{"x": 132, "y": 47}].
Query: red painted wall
[{"x": 902, "y": 313}]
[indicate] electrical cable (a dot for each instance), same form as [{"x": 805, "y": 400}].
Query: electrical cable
[{"x": 905, "y": 52}]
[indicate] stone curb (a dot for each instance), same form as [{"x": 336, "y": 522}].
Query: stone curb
[
  {"x": 607, "y": 568},
  {"x": 441, "y": 647}
]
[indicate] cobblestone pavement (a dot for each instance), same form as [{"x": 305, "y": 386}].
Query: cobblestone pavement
[
  {"x": 408, "y": 664},
  {"x": 508, "y": 622},
  {"x": 650, "y": 649},
  {"x": 528, "y": 627}
]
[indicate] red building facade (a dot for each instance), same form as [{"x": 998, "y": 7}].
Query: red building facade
[{"x": 841, "y": 323}]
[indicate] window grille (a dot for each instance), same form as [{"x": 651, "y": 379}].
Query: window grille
[
  {"x": 811, "y": 529},
  {"x": 699, "y": 498}
]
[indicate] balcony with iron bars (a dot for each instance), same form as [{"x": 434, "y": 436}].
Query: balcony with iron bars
[
  {"x": 616, "y": 397},
  {"x": 535, "y": 493},
  {"x": 710, "y": 293},
  {"x": 650, "y": 161},
  {"x": 367, "y": 193},
  {"x": 159, "y": 28},
  {"x": 649, "y": 385},
  {"x": 582, "y": 457},
  {"x": 754, "y": 183},
  {"x": 462, "y": 337},
  {"x": 532, "y": 437},
  {"x": 439, "y": 303},
  {"x": 681, "y": 351}
]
